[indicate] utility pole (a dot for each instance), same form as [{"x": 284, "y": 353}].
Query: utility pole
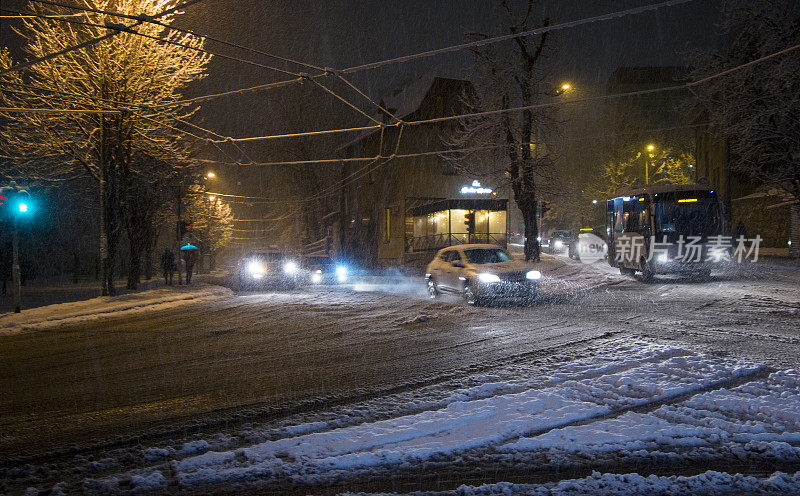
[
  {"x": 15, "y": 275},
  {"x": 18, "y": 207}
]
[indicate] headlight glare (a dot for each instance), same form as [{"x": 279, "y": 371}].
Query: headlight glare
[
  {"x": 486, "y": 277},
  {"x": 533, "y": 275},
  {"x": 341, "y": 273},
  {"x": 256, "y": 268},
  {"x": 290, "y": 267}
]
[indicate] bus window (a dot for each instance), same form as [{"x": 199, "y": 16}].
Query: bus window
[
  {"x": 632, "y": 213},
  {"x": 618, "y": 220}
]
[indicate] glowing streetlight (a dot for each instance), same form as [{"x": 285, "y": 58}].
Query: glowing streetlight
[
  {"x": 212, "y": 198},
  {"x": 211, "y": 175},
  {"x": 566, "y": 87},
  {"x": 594, "y": 202},
  {"x": 650, "y": 148}
]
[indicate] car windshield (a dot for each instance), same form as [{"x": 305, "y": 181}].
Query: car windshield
[
  {"x": 487, "y": 255},
  {"x": 267, "y": 256},
  {"x": 320, "y": 261}
]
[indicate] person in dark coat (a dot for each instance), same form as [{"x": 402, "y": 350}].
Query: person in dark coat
[
  {"x": 190, "y": 257},
  {"x": 168, "y": 266}
]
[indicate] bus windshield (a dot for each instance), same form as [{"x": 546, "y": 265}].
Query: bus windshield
[{"x": 687, "y": 215}]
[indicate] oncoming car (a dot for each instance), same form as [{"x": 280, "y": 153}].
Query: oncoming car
[
  {"x": 323, "y": 270},
  {"x": 270, "y": 268},
  {"x": 482, "y": 273},
  {"x": 559, "y": 241}
]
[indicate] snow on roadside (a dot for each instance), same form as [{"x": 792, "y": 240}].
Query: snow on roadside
[
  {"x": 97, "y": 308},
  {"x": 710, "y": 483},
  {"x": 760, "y": 415},
  {"x": 581, "y": 392}
]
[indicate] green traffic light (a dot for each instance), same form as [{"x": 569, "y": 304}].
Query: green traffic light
[{"x": 23, "y": 207}]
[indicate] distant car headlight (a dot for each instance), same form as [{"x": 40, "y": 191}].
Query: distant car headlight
[
  {"x": 256, "y": 268},
  {"x": 316, "y": 277},
  {"x": 663, "y": 258},
  {"x": 558, "y": 244},
  {"x": 533, "y": 275},
  {"x": 290, "y": 267},
  {"x": 486, "y": 277},
  {"x": 341, "y": 273}
]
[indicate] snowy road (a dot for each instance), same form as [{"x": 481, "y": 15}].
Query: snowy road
[{"x": 101, "y": 387}]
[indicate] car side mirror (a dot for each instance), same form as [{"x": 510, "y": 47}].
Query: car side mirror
[{"x": 458, "y": 264}]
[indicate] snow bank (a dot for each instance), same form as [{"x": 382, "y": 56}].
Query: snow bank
[
  {"x": 97, "y": 308},
  {"x": 488, "y": 415},
  {"x": 708, "y": 483}
]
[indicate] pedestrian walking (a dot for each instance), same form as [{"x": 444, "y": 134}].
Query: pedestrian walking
[
  {"x": 168, "y": 266},
  {"x": 189, "y": 255}
]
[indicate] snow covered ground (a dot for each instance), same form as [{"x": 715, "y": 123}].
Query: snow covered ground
[
  {"x": 373, "y": 387},
  {"x": 94, "y": 309},
  {"x": 643, "y": 401}
]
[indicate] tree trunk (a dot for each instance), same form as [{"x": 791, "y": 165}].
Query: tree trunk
[
  {"x": 135, "y": 267},
  {"x": 529, "y": 211}
]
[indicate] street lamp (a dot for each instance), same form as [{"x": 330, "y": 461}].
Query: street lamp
[
  {"x": 563, "y": 88},
  {"x": 211, "y": 175},
  {"x": 594, "y": 202},
  {"x": 650, "y": 148}
]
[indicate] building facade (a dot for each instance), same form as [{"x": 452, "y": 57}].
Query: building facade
[{"x": 402, "y": 210}]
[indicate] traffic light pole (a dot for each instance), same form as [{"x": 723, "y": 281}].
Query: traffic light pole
[{"x": 15, "y": 273}]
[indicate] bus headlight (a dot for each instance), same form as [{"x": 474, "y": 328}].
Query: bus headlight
[
  {"x": 290, "y": 267},
  {"x": 533, "y": 275},
  {"x": 485, "y": 277}
]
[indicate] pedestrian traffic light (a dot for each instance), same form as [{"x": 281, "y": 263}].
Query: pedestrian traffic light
[
  {"x": 16, "y": 200},
  {"x": 184, "y": 228},
  {"x": 469, "y": 220}
]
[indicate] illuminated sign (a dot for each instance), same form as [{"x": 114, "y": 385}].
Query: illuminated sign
[{"x": 475, "y": 189}]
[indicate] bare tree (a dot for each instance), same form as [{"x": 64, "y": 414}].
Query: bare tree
[
  {"x": 756, "y": 110},
  {"x": 512, "y": 148},
  {"x": 135, "y": 76}
]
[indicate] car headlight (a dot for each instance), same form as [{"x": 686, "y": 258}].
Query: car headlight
[
  {"x": 316, "y": 277},
  {"x": 663, "y": 258},
  {"x": 256, "y": 268},
  {"x": 558, "y": 244},
  {"x": 341, "y": 273},
  {"x": 290, "y": 267},
  {"x": 486, "y": 277},
  {"x": 533, "y": 275}
]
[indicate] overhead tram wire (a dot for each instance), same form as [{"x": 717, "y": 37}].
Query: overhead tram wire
[
  {"x": 323, "y": 72},
  {"x": 186, "y": 31},
  {"x": 433, "y": 120},
  {"x": 96, "y": 40},
  {"x": 127, "y": 29},
  {"x": 462, "y": 46}
]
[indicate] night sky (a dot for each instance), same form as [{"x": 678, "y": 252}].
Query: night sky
[{"x": 341, "y": 34}]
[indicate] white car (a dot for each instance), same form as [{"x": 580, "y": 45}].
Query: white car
[{"x": 482, "y": 273}]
